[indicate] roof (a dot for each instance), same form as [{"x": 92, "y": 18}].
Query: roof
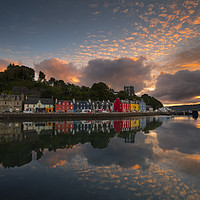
[
  {"x": 10, "y": 97},
  {"x": 35, "y": 101},
  {"x": 61, "y": 101}
]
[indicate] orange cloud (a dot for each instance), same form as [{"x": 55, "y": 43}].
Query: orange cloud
[
  {"x": 4, "y": 63},
  {"x": 59, "y": 70}
]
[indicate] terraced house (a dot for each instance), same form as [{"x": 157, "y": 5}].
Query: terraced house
[
  {"x": 64, "y": 106},
  {"x": 11, "y": 103},
  {"x": 38, "y": 105}
]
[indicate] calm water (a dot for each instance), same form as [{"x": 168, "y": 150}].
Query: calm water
[{"x": 133, "y": 158}]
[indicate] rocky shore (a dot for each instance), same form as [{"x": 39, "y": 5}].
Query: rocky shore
[{"x": 72, "y": 116}]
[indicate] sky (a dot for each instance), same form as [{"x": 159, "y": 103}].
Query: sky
[{"x": 152, "y": 45}]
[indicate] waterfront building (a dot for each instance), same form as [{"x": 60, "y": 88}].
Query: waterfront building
[
  {"x": 82, "y": 106},
  {"x": 64, "y": 106},
  {"x": 122, "y": 105},
  {"x": 142, "y": 106},
  {"x": 134, "y": 105},
  {"x": 129, "y": 90},
  {"x": 149, "y": 108},
  {"x": 97, "y": 106},
  {"x": 102, "y": 106},
  {"x": 11, "y": 103},
  {"x": 32, "y": 105}
]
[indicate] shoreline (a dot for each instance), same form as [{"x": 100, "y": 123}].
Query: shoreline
[{"x": 72, "y": 116}]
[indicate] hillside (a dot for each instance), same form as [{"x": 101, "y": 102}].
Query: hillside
[{"x": 21, "y": 79}]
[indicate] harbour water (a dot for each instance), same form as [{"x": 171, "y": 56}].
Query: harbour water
[{"x": 132, "y": 158}]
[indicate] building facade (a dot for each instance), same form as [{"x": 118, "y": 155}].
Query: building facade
[
  {"x": 33, "y": 105},
  {"x": 134, "y": 106},
  {"x": 64, "y": 106},
  {"x": 142, "y": 106},
  {"x": 122, "y": 105},
  {"x": 129, "y": 90},
  {"x": 82, "y": 106},
  {"x": 11, "y": 103}
]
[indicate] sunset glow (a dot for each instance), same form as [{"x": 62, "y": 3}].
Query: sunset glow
[{"x": 138, "y": 43}]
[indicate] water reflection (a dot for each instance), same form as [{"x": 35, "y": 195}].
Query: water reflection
[
  {"x": 19, "y": 140},
  {"x": 136, "y": 158}
]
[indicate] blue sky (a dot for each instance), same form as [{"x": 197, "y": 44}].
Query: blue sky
[{"x": 60, "y": 36}]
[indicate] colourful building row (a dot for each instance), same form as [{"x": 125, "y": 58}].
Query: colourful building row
[
  {"x": 15, "y": 103},
  {"x": 129, "y": 106},
  {"x": 66, "y": 106}
]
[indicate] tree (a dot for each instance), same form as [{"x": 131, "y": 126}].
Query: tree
[
  {"x": 99, "y": 91},
  {"x": 151, "y": 101},
  {"x": 123, "y": 95},
  {"x": 41, "y": 76},
  {"x": 52, "y": 80}
]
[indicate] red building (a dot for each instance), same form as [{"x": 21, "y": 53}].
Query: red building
[
  {"x": 122, "y": 105},
  {"x": 63, "y": 106}
]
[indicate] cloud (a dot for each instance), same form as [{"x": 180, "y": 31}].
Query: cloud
[
  {"x": 117, "y": 73},
  {"x": 183, "y": 86},
  {"x": 4, "y": 63},
  {"x": 187, "y": 59},
  {"x": 115, "y": 10},
  {"x": 188, "y": 56},
  {"x": 58, "y": 69}
]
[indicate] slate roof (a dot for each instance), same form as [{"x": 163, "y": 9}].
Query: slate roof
[
  {"x": 35, "y": 101},
  {"x": 61, "y": 101}
]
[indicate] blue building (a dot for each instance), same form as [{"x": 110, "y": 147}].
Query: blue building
[
  {"x": 82, "y": 106},
  {"x": 142, "y": 106}
]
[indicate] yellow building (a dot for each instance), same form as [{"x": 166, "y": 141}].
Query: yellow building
[{"x": 134, "y": 106}]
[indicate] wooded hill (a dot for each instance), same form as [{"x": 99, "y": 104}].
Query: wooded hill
[{"x": 21, "y": 79}]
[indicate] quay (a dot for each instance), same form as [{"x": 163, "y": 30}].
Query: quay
[{"x": 73, "y": 116}]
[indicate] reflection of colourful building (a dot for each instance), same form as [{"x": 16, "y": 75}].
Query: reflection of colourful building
[
  {"x": 135, "y": 123},
  {"x": 37, "y": 128},
  {"x": 10, "y": 132},
  {"x": 64, "y": 127},
  {"x": 126, "y": 125}
]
